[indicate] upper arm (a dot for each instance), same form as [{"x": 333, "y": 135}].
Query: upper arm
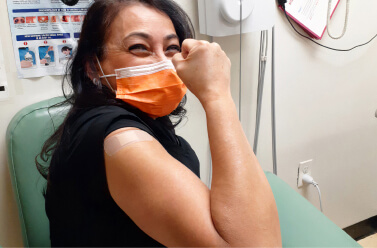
[{"x": 161, "y": 195}]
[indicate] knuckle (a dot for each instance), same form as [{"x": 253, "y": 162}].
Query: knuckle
[
  {"x": 214, "y": 44},
  {"x": 204, "y": 43},
  {"x": 184, "y": 42},
  {"x": 187, "y": 40},
  {"x": 203, "y": 48}
]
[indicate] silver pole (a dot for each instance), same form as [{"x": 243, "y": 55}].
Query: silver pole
[
  {"x": 210, "y": 155},
  {"x": 273, "y": 120},
  {"x": 262, "y": 72},
  {"x": 240, "y": 77}
]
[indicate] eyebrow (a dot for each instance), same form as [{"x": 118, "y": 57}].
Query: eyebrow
[
  {"x": 148, "y": 37},
  {"x": 171, "y": 36}
]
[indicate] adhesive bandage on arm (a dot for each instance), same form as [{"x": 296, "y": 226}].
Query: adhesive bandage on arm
[{"x": 124, "y": 137}]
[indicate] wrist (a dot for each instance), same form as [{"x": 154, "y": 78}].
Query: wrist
[{"x": 221, "y": 102}]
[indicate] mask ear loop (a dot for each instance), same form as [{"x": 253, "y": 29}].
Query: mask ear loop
[{"x": 104, "y": 76}]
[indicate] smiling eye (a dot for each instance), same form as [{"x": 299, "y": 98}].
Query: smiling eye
[
  {"x": 140, "y": 50},
  {"x": 139, "y": 47},
  {"x": 174, "y": 48},
  {"x": 171, "y": 50}
]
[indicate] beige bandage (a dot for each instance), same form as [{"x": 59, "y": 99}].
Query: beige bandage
[{"x": 123, "y": 138}]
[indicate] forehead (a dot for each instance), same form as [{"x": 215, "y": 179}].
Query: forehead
[{"x": 139, "y": 17}]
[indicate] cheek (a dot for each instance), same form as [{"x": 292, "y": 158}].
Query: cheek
[
  {"x": 129, "y": 60},
  {"x": 112, "y": 62}
]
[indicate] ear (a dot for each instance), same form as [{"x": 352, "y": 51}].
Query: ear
[{"x": 91, "y": 69}]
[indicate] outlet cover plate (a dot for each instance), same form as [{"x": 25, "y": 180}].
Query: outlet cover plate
[{"x": 304, "y": 167}]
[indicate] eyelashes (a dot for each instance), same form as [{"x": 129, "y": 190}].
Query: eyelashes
[
  {"x": 174, "y": 47},
  {"x": 140, "y": 48}
]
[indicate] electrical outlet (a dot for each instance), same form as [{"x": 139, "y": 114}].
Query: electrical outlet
[{"x": 304, "y": 167}]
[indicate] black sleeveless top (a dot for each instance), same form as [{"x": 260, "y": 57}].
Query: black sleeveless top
[{"x": 78, "y": 203}]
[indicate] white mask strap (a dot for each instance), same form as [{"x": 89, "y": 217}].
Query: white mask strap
[{"x": 106, "y": 76}]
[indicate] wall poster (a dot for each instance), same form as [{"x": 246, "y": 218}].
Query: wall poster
[
  {"x": 44, "y": 33},
  {"x": 4, "y": 92}
]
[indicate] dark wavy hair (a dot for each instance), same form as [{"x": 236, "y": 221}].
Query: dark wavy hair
[{"x": 85, "y": 93}]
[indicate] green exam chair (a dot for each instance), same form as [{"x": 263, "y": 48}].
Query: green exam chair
[{"x": 302, "y": 225}]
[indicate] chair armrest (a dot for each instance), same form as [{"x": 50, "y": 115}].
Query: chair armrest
[{"x": 301, "y": 224}]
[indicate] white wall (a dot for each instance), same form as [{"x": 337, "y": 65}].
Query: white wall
[
  {"x": 325, "y": 111},
  {"x": 326, "y": 103}
]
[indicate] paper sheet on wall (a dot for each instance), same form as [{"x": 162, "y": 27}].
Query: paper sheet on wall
[
  {"x": 44, "y": 34},
  {"x": 311, "y": 15},
  {"x": 4, "y": 93}
]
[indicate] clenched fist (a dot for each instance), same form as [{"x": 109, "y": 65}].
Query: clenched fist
[{"x": 204, "y": 68}]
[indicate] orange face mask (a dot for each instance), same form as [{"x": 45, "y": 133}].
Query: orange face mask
[{"x": 155, "y": 89}]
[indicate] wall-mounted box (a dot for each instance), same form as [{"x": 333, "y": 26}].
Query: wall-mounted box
[{"x": 222, "y": 17}]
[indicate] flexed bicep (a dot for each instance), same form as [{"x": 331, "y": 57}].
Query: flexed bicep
[{"x": 161, "y": 195}]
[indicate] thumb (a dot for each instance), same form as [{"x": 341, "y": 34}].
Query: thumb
[{"x": 177, "y": 60}]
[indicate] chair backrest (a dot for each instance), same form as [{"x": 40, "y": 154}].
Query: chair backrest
[{"x": 25, "y": 136}]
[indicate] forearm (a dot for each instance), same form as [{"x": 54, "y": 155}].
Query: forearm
[{"x": 242, "y": 204}]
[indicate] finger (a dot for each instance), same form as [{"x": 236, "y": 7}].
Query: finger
[
  {"x": 187, "y": 46},
  {"x": 177, "y": 58}
]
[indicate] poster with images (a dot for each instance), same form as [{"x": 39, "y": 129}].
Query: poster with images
[
  {"x": 44, "y": 34},
  {"x": 4, "y": 92}
]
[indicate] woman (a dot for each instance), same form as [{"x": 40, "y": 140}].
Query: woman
[
  {"x": 67, "y": 51},
  {"x": 148, "y": 192}
]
